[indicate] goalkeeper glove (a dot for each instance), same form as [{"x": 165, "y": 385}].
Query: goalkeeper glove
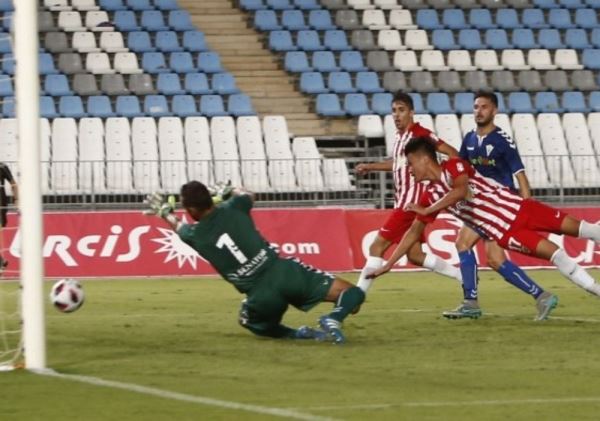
[
  {"x": 221, "y": 192},
  {"x": 158, "y": 206}
]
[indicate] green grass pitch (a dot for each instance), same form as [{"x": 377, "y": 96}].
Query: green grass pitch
[{"x": 403, "y": 361}]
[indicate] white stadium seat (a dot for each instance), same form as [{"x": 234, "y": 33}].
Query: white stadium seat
[
  {"x": 374, "y": 19},
  {"x": 70, "y": 21},
  {"x": 145, "y": 155},
  {"x": 98, "y": 63},
  {"x": 580, "y": 147},
  {"x": 555, "y": 149},
  {"x": 514, "y": 60},
  {"x": 467, "y": 123},
  {"x": 528, "y": 142},
  {"x": 401, "y": 19},
  {"x": 406, "y": 61},
  {"x": 335, "y": 174},
  {"x": 252, "y": 154},
  {"x": 97, "y": 20},
  {"x": 417, "y": 39},
  {"x": 225, "y": 152},
  {"x": 433, "y": 60},
  {"x": 593, "y": 122},
  {"x": 277, "y": 138},
  {"x": 84, "y": 5},
  {"x": 389, "y": 39},
  {"x": 126, "y": 63},
  {"x": 118, "y": 155},
  {"x": 567, "y": 59},
  {"x": 370, "y": 125},
  {"x": 9, "y": 144},
  {"x": 84, "y": 42},
  {"x": 460, "y": 60},
  {"x": 282, "y": 175},
  {"x": 425, "y": 120},
  {"x": 447, "y": 127},
  {"x": 539, "y": 59},
  {"x": 389, "y": 128},
  {"x": 487, "y": 60},
  {"x": 112, "y": 42},
  {"x": 308, "y": 164},
  {"x": 57, "y": 5},
  {"x": 305, "y": 148},
  {"x": 64, "y": 156},
  {"x": 91, "y": 156},
  {"x": 198, "y": 150},
  {"x": 173, "y": 171}
]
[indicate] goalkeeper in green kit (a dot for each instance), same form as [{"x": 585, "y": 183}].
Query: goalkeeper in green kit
[{"x": 225, "y": 235}]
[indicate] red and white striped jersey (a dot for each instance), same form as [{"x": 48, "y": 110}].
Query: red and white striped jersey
[
  {"x": 490, "y": 207},
  {"x": 406, "y": 189}
]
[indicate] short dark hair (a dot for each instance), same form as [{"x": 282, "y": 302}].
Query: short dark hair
[
  {"x": 405, "y": 98},
  {"x": 487, "y": 95},
  {"x": 195, "y": 195},
  {"x": 421, "y": 144}
]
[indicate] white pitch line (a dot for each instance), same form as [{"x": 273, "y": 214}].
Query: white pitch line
[{"x": 201, "y": 400}]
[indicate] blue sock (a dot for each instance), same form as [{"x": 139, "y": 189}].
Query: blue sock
[
  {"x": 517, "y": 277},
  {"x": 468, "y": 270}
]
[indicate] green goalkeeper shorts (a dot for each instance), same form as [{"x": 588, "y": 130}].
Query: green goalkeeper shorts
[{"x": 286, "y": 282}]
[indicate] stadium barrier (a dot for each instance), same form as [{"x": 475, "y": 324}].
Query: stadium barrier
[{"x": 115, "y": 244}]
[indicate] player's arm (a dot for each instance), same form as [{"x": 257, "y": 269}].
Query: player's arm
[
  {"x": 366, "y": 167},
  {"x": 524, "y": 188},
  {"x": 163, "y": 209},
  {"x": 446, "y": 149},
  {"x": 513, "y": 159},
  {"x": 460, "y": 191},
  {"x": 412, "y": 236}
]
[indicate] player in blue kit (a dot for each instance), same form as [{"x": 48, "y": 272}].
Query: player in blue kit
[{"x": 494, "y": 154}]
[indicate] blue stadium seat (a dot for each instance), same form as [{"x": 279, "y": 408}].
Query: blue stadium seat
[
  {"x": 428, "y": 19},
  {"x": 99, "y": 106},
  {"x": 336, "y": 40},
  {"x": 6, "y": 86},
  {"x": 463, "y": 102},
  {"x": 154, "y": 62},
  {"x": 324, "y": 61},
  {"x": 577, "y": 39},
  {"x": 182, "y": 62},
  {"x": 266, "y": 20},
  {"x": 523, "y": 38},
  {"x": 71, "y": 106},
  {"x": 520, "y": 102},
  {"x": 586, "y": 18},
  {"x": 180, "y": 20},
  {"x": 197, "y": 84},
  {"x": 574, "y": 102},
  {"x": 560, "y": 19},
  {"x": 167, "y": 42},
  {"x": 356, "y": 104},
  {"x": 194, "y": 41},
  {"x": 57, "y": 85},
  {"x": 209, "y": 62},
  {"x": 112, "y": 5},
  {"x": 590, "y": 58},
  {"x": 550, "y": 39},
  {"x": 454, "y": 19},
  {"x": 139, "y": 42},
  {"x": 470, "y": 39},
  {"x": 184, "y": 106},
  {"x": 153, "y": 20},
  {"x": 6, "y": 6},
  {"x": 169, "y": 84},
  {"x": 8, "y": 64},
  {"x": 47, "y": 107},
  {"x": 212, "y": 105},
  {"x": 128, "y": 106},
  {"x": 224, "y": 84},
  {"x": 439, "y": 103},
  {"x": 293, "y": 20},
  {"x": 308, "y": 40},
  {"x": 46, "y": 64},
  {"x": 443, "y": 39},
  {"x": 534, "y": 19},
  {"x": 418, "y": 103},
  {"x": 329, "y": 105},
  {"x": 5, "y": 43},
  {"x": 352, "y": 61},
  {"x": 166, "y": 4},
  {"x": 252, "y": 4},
  {"x": 381, "y": 103},
  {"x": 547, "y": 102},
  {"x": 594, "y": 101},
  {"x": 125, "y": 21},
  {"x": 340, "y": 83},
  {"x": 312, "y": 83},
  {"x": 508, "y": 19},
  {"x": 545, "y": 4},
  {"x": 497, "y": 39},
  {"x": 240, "y": 104},
  {"x": 139, "y": 5},
  {"x": 320, "y": 20},
  {"x": 307, "y": 4},
  {"x": 279, "y": 4},
  {"x": 595, "y": 37},
  {"x": 481, "y": 19},
  {"x": 571, "y": 4},
  {"x": 296, "y": 61},
  {"x": 156, "y": 106},
  {"x": 8, "y": 20},
  {"x": 368, "y": 82},
  {"x": 8, "y": 107},
  {"x": 281, "y": 41}
]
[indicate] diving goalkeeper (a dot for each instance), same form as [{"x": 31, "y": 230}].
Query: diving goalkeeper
[{"x": 225, "y": 235}]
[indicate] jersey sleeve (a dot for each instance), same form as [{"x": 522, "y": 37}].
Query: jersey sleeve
[
  {"x": 462, "y": 153},
  {"x": 185, "y": 232},
  {"x": 241, "y": 202},
  {"x": 511, "y": 154},
  {"x": 457, "y": 167},
  {"x": 426, "y": 200},
  {"x": 425, "y": 132}
]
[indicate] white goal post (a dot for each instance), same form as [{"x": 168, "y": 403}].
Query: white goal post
[{"x": 26, "y": 47}]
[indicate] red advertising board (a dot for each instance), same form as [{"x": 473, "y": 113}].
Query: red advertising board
[{"x": 91, "y": 244}]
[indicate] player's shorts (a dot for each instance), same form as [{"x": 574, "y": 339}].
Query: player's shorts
[
  {"x": 534, "y": 216},
  {"x": 286, "y": 282},
  {"x": 397, "y": 224}
]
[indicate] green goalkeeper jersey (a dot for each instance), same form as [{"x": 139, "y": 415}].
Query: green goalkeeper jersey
[{"x": 229, "y": 240}]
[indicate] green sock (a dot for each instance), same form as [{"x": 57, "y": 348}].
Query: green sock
[{"x": 348, "y": 300}]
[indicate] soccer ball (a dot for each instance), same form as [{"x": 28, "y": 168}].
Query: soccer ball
[{"x": 67, "y": 295}]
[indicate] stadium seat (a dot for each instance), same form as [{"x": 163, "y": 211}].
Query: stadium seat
[
  {"x": 539, "y": 59},
  {"x": 534, "y": 19},
  {"x": 252, "y": 4},
  {"x": 418, "y": 103},
  {"x": 336, "y": 40},
  {"x": 296, "y": 62},
  {"x": 112, "y": 5},
  {"x": 433, "y": 60},
  {"x": 381, "y": 103},
  {"x": 356, "y": 104},
  {"x": 45, "y": 63},
  {"x": 70, "y": 21},
  {"x": 586, "y": 18},
  {"x": 169, "y": 84},
  {"x": 523, "y": 38},
  {"x": 209, "y": 62},
  {"x": 128, "y": 106},
  {"x": 308, "y": 40},
  {"x": 594, "y": 101},
  {"x": 68, "y": 63},
  {"x": 481, "y": 19},
  {"x": 212, "y": 106},
  {"x": 591, "y": 59},
  {"x": 266, "y": 20},
  {"x": 145, "y": 154},
  {"x": 320, "y": 20},
  {"x": 173, "y": 169},
  {"x": 141, "y": 84},
  {"x": 55, "y": 42},
  {"x": 139, "y": 42},
  {"x": 583, "y": 80},
  {"x": 463, "y": 102},
  {"x": 447, "y": 127},
  {"x": 560, "y": 19},
  {"x": 182, "y": 62},
  {"x": 138, "y": 5},
  {"x": 312, "y": 83},
  {"x": 470, "y": 39},
  {"x": 184, "y": 106},
  {"x": 454, "y": 19},
  {"x": 401, "y": 19},
  {"x": 438, "y": 103},
  {"x": 153, "y": 21},
  {"x": 370, "y": 125},
  {"x": 571, "y": 4},
  {"x": 335, "y": 174},
  {"x": 198, "y": 149},
  {"x": 125, "y": 21},
  {"x": 449, "y": 81},
  {"x": 520, "y": 102},
  {"x": 118, "y": 156},
  {"x": 85, "y": 84},
  {"x": 84, "y": 42},
  {"x": 180, "y": 20},
  {"x": 329, "y": 105},
  {"x": 503, "y": 81},
  {"x": 113, "y": 84},
  {"x": 374, "y": 19},
  {"x": 497, "y": 39},
  {"x": 167, "y": 42},
  {"x": 428, "y": 19},
  {"x": 368, "y": 82},
  {"x": 460, "y": 60},
  {"x": 394, "y": 81},
  {"x": 196, "y": 84},
  {"x": 99, "y": 106},
  {"x": 224, "y": 84},
  {"x": 550, "y": 39},
  {"x": 281, "y": 41},
  {"x": 279, "y": 4},
  {"x": 351, "y": 61},
  {"x": 112, "y": 42},
  {"x": 166, "y": 4},
  {"x": 577, "y": 39},
  {"x": 340, "y": 82},
  {"x": 91, "y": 169},
  {"x": 406, "y": 61},
  {"x": 508, "y": 19},
  {"x": 71, "y": 106},
  {"x": 63, "y": 168},
  {"x": 557, "y": 80},
  {"x": 486, "y": 60},
  {"x": 324, "y": 61},
  {"x": 530, "y": 81},
  {"x": 362, "y": 39},
  {"x": 194, "y": 41},
  {"x": 422, "y": 82},
  {"x": 126, "y": 63},
  {"x": 293, "y": 20},
  {"x": 307, "y": 4},
  {"x": 98, "y": 21},
  {"x": 547, "y": 102},
  {"x": 417, "y": 39},
  {"x": 54, "y": 85},
  {"x": 240, "y": 105},
  {"x": 347, "y": 19},
  {"x": 379, "y": 61},
  {"x": 514, "y": 60},
  {"x": 389, "y": 39},
  {"x": 475, "y": 81},
  {"x": 98, "y": 63}
]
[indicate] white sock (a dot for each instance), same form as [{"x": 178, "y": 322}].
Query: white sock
[
  {"x": 373, "y": 263},
  {"x": 434, "y": 263},
  {"x": 591, "y": 231},
  {"x": 574, "y": 272}
]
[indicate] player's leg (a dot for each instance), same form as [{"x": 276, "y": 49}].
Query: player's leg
[
  {"x": 430, "y": 261},
  {"x": 348, "y": 299},
  {"x": 374, "y": 261},
  {"x": 3, "y": 220}
]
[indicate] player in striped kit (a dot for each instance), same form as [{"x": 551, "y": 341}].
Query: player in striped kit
[
  {"x": 494, "y": 210},
  {"x": 407, "y": 190}
]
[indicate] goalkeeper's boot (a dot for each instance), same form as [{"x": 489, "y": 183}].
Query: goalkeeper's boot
[
  {"x": 545, "y": 303},
  {"x": 333, "y": 329},
  {"x": 467, "y": 309},
  {"x": 307, "y": 332}
]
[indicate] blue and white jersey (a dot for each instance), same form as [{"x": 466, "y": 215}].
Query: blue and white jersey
[{"x": 494, "y": 155}]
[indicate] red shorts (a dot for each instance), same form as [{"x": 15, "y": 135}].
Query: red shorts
[
  {"x": 397, "y": 224},
  {"x": 534, "y": 216}
]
